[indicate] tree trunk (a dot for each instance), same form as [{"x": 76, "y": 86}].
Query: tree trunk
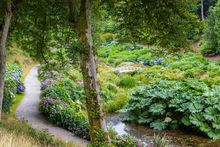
[
  {"x": 98, "y": 129},
  {"x": 3, "y": 40},
  {"x": 202, "y": 10}
]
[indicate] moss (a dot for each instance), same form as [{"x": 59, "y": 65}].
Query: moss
[{"x": 99, "y": 138}]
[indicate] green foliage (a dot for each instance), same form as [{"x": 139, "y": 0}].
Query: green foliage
[
  {"x": 117, "y": 103},
  {"x": 116, "y": 54},
  {"x": 42, "y": 28},
  {"x": 56, "y": 91},
  {"x": 127, "y": 81},
  {"x": 190, "y": 61},
  {"x": 108, "y": 91},
  {"x": 60, "y": 103},
  {"x": 12, "y": 85},
  {"x": 171, "y": 104},
  {"x": 161, "y": 22},
  {"x": 65, "y": 116},
  {"x": 17, "y": 127},
  {"x": 9, "y": 94},
  {"x": 211, "y": 38},
  {"x": 122, "y": 141},
  {"x": 160, "y": 141}
]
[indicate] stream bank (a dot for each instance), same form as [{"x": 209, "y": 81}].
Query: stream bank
[{"x": 176, "y": 138}]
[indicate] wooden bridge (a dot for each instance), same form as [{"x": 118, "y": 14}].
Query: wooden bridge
[{"x": 126, "y": 69}]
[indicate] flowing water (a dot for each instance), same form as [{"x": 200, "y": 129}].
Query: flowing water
[{"x": 176, "y": 138}]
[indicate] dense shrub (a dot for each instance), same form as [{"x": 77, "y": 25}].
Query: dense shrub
[
  {"x": 61, "y": 88},
  {"x": 62, "y": 114},
  {"x": 9, "y": 94},
  {"x": 172, "y": 104},
  {"x": 127, "y": 81},
  {"x": 47, "y": 83},
  {"x": 116, "y": 54},
  {"x": 211, "y": 38},
  {"x": 157, "y": 61},
  {"x": 190, "y": 61},
  {"x": 13, "y": 85},
  {"x": 117, "y": 103},
  {"x": 61, "y": 102}
]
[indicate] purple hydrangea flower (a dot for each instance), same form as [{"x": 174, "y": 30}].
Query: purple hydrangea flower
[
  {"x": 79, "y": 83},
  {"x": 47, "y": 101},
  {"x": 48, "y": 83}
]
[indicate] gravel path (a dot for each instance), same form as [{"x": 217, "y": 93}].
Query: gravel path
[{"x": 28, "y": 111}]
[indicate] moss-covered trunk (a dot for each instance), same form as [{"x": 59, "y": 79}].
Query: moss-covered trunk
[
  {"x": 3, "y": 39},
  {"x": 98, "y": 129}
]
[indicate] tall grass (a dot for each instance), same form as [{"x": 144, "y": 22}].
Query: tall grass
[
  {"x": 11, "y": 139},
  {"x": 16, "y": 133}
]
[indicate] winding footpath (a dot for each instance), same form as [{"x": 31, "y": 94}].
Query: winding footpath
[{"x": 28, "y": 111}]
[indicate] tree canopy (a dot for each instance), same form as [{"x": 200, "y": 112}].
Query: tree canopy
[{"x": 166, "y": 23}]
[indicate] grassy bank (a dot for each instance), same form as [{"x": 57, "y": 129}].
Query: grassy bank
[{"x": 18, "y": 133}]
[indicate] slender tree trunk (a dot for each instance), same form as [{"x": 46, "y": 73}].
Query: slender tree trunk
[
  {"x": 98, "y": 129},
  {"x": 3, "y": 40},
  {"x": 202, "y": 10}
]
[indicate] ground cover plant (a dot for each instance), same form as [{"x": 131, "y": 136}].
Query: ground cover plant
[{"x": 172, "y": 104}]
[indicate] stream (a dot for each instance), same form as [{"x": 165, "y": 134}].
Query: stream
[{"x": 176, "y": 138}]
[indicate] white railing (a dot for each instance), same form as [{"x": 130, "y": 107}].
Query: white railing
[{"x": 126, "y": 69}]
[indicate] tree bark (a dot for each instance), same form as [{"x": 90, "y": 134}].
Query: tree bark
[
  {"x": 3, "y": 40},
  {"x": 202, "y": 10},
  {"x": 98, "y": 129}
]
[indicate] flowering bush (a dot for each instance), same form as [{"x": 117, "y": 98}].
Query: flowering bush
[
  {"x": 20, "y": 87},
  {"x": 60, "y": 103},
  {"x": 61, "y": 88},
  {"x": 13, "y": 85},
  {"x": 47, "y": 83},
  {"x": 62, "y": 114}
]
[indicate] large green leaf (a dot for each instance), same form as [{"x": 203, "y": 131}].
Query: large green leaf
[
  {"x": 143, "y": 120},
  {"x": 196, "y": 119},
  {"x": 195, "y": 107},
  {"x": 158, "y": 125},
  {"x": 157, "y": 109},
  {"x": 210, "y": 113},
  {"x": 186, "y": 121}
]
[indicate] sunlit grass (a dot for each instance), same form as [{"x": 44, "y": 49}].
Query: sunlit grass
[
  {"x": 18, "y": 99},
  {"x": 11, "y": 139},
  {"x": 19, "y": 134}
]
